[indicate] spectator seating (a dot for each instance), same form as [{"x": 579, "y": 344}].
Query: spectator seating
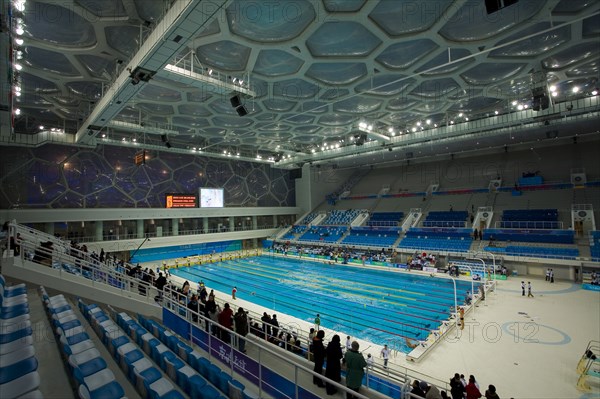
[
  {"x": 595, "y": 245},
  {"x": 148, "y": 380},
  {"x": 385, "y": 218},
  {"x": 18, "y": 364},
  {"x": 371, "y": 238},
  {"x": 294, "y": 231},
  {"x": 437, "y": 239},
  {"x": 341, "y": 217},
  {"x": 537, "y": 252},
  {"x": 446, "y": 219},
  {"x": 530, "y": 219},
  {"x": 88, "y": 369},
  {"x": 198, "y": 372},
  {"x": 324, "y": 233},
  {"x": 534, "y": 235},
  {"x": 308, "y": 218}
]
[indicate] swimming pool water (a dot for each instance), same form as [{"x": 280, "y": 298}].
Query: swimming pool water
[{"x": 379, "y": 306}]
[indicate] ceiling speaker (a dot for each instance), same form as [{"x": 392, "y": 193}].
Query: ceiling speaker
[
  {"x": 235, "y": 101},
  {"x": 241, "y": 110}
]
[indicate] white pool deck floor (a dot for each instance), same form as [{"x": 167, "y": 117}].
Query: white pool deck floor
[{"x": 528, "y": 348}]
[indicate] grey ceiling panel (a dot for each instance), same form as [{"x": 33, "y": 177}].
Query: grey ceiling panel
[{"x": 312, "y": 69}]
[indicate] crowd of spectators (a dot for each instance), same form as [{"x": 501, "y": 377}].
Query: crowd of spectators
[
  {"x": 460, "y": 388},
  {"x": 335, "y": 253}
]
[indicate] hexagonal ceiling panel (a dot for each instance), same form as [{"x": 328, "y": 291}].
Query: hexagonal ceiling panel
[{"x": 298, "y": 73}]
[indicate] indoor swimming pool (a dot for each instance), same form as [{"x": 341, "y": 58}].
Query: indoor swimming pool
[{"x": 376, "y": 305}]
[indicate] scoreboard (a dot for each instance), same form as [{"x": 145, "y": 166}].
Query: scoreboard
[{"x": 181, "y": 201}]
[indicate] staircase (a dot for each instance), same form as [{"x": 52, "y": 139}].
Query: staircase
[{"x": 588, "y": 366}]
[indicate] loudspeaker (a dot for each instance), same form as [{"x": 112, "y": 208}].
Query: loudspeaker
[
  {"x": 540, "y": 99},
  {"x": 168, "y": 144},
  {"x": 163, "y": 137},
  {"x": 241, "y": 110},
  {"x": 235, "y": 101}
]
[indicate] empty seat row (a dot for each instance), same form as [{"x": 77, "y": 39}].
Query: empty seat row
[
  {"x": 370, "y": 239},
  {"x": 212, "y": 373},
  {"x": 18, "y": 364},
  {"x": 88, "y": 369},
  {"x": 148, "y": 379},
  {"x": 538, "y": 235},
  {"x": 538, "y": 252},
  {"x": 181, "y": 363},
  {"x": 435, "y": 244},
  {"x": 530, "y": 215},
  {"x": 521, "y": 224},
  {"x": 446, "y": 216}
]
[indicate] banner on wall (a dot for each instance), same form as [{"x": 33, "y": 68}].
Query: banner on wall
[{"x": 182, "y": 251}]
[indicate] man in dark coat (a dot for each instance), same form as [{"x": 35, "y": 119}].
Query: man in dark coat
[
  {"x": 318, "y": 356},
  {"x": 334, "y": 365},
  {"x": 241, "y": 327}
]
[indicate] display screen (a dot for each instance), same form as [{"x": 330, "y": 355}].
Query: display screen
[
  {"x": 211, "y": 198},
  {"x": 181, "y": 201}
]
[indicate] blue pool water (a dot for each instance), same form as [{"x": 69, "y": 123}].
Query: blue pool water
[{"x": 378, "y": 306}]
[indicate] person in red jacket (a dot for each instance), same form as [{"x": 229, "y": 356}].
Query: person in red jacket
[
  {"x": 226, "y": 321},
  {"x": 472, "y": 389}
]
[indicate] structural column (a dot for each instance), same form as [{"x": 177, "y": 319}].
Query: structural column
[
  {"x": 275, "y": 221},
  {"x": 254, "y": 222},
  {"x": 140, "y": 228},
  {"x": 231, "y": 223},
  {"x": 49, "y": 228},
  {"x": 175, "y": 227},
  {"x": 99, "y": 226},
  {"x": 205, "y": 225}
]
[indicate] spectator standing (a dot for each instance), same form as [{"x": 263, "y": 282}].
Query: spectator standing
[
  {"x": 522, "y": 288},
  {"x": 355, "y": 364},
  {"x": 241, "y": 327},
  {"x": 318, "y": 322},
  {"x": 319, "y": 357},
  {"x": 457, "y": 389},
  {"x": 266, "y": 320},
  {"x": 311, "y": 336},
  {"x": 193, "y": 306},
  {"x": 334, "y": 366},
  {"x": 490, "y": 393},
  {"x": 160, "y": 283},
  {"x": 275, "y": 325},
  {"x": 416, "y": 389},
  {"x": 233, "y": 292},
  {"x": 431, "y": 391},
  {"x": 226, "y": 322},
  {"x": 348, "y": 343},
  {"x": 472, "y": 390}
]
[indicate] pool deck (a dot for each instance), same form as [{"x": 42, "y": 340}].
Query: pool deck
[{"x": 527, "y": 347}]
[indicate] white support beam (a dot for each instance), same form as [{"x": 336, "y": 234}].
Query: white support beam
[{"x": 183, "y": 21}]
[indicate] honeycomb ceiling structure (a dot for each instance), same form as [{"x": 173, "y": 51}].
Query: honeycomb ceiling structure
[{"x": 314, "y": 80}]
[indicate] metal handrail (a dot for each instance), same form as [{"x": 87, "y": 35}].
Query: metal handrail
[
  {"x": 171, "y": 301},
  {"x": 95, "y": 272}
]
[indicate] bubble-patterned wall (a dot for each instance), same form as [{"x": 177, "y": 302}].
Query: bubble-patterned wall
[{"x": 55, "y": 176}]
